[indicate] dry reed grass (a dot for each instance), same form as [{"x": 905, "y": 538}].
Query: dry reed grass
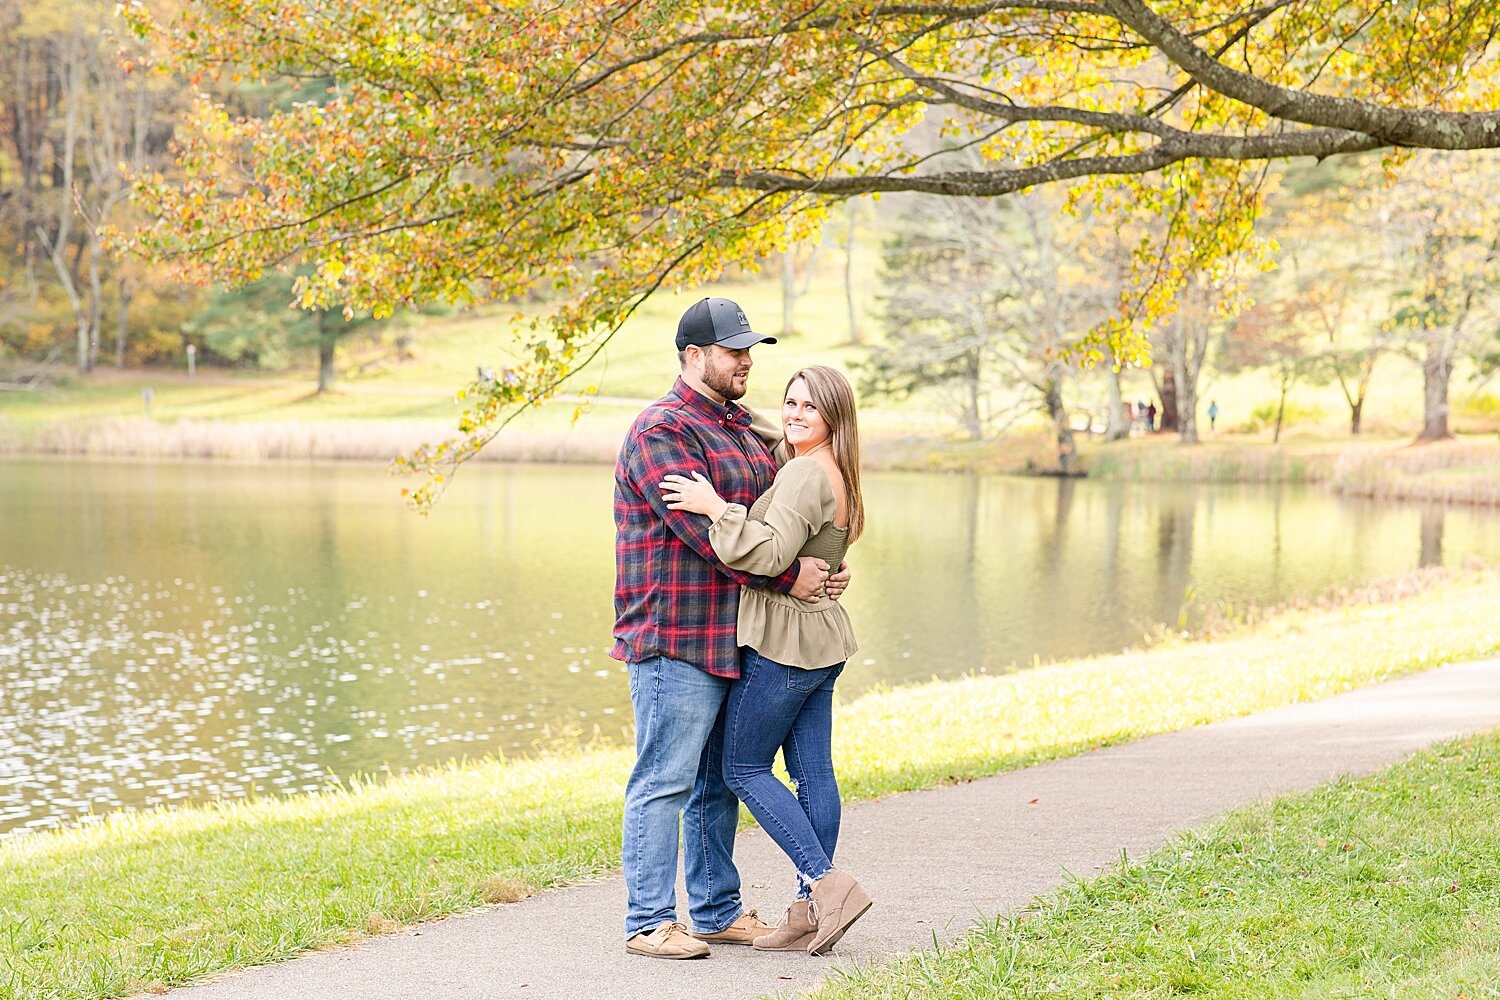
[
  {"x": 323, "y": 441},
  {"x": 1453, "y": 472},
  {"x": 1163, "y": 461},
  {"x": 1448, "y": 471}
]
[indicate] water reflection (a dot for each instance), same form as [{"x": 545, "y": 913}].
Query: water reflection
[
  {"x": 178, "y": 632},
  {"x": 1433, "y": 518}
]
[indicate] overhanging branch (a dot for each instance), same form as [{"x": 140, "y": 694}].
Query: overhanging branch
[
  {"x": 1002, "y": 181},
  {"x": 1413, "y": 127}
]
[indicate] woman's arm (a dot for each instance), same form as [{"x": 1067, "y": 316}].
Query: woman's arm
[
  {"x": 697, "y": 495},
  {"x": 803, "y": 503}
]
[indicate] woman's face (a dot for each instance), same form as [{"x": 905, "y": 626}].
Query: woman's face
[{"x": 803, "y": 425}]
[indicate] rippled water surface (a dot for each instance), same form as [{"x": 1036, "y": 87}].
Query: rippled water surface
[{"x": 181, "y": 632}]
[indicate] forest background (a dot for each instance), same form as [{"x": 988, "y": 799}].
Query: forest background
[{"x": 1368, "y": 306}]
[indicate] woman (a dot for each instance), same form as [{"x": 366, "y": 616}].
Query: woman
[{"x": 793, "y": 651}]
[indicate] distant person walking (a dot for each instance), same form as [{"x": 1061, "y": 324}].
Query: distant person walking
[
  {"x": 1151, "y": 417},
  {"x": 1213, "y": 414},
  {"x": 676, "y": 612}
]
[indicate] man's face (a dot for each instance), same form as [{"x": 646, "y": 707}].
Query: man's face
[{"x": 726, "y": 372}]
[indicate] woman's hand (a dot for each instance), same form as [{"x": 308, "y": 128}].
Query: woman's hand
[{"x": 696, "y": 494}]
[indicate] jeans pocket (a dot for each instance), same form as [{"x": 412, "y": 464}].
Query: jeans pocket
[{"x": 806, "y": 681}]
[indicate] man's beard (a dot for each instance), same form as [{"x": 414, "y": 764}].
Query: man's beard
[{"x": 721, "y": 380}]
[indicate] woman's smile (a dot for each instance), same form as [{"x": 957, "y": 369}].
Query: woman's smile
[{"x": 801, "y": 422}]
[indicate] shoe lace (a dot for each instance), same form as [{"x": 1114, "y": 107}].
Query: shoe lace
[{"x": 667, "y": 930}]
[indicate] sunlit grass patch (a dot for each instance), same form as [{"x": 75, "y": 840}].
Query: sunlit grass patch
[
  {"x": 162, "y": 897},
  {"x": 913, "y": 737},
  {"x": 1382, "y": 887}
]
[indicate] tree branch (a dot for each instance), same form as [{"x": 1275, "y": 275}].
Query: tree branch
[
  {"x": 1418, "y": 127},
  {"x": 989, "y": 183}
]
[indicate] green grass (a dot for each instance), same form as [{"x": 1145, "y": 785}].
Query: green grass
[
  {"x": 1381, "y": 887},
  {"x": 390, "y": 408},
  {"x": 140, "y": 900},
  {"x": 640, "y": 363}
]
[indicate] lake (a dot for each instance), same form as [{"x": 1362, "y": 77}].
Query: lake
[{"x": 179, "y": 632}]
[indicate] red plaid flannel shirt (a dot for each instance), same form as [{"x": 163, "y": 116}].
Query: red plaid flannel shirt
[{"x": 672, "y": 595}]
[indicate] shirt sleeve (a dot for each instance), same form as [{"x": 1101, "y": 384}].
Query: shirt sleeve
[
  {"x": 662, "y": 449},
  {"x": 802, "y": 505},
  {"x": 771, "y": 435}
]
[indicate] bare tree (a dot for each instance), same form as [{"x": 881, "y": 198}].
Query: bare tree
[
  {"x": 1442, "y": 244},
  {"x": 987, "y": 296},
  {"x": 1184, "y": 348},
  {"x": 79, "y": 105},
  {"x": 850, "y": 209},
  {"x": 795, "y": 285}
]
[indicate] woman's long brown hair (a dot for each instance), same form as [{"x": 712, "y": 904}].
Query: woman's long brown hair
[{"x": 834, "y": 398}]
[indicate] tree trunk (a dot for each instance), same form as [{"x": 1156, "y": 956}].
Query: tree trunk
[
  {"x": 1190, "y": 369},
  {"x": 1168, "y": 394},
  {"x": 973, "y": 425},
  {"x": 1432, "y": 536},
  {"x": 1187, "y": 420},
  {"x": 56, "y": 243},
  {"x": 122, "y": 321},
  {"x": 788, "y": 292},
  {"x": 1067, "y": 451},
  {"x": 849, "y": 276},
  {"x": 1119, "y": 426},
  {"x": 1355, "y": 409},
  {"x": 96, "y": 305},
  {"x": 326, "y": 341},
  {"x": 1437, "y": 369},
  {"x": 1183, "y": 411},
  {"x": 1280, "y": 410}
]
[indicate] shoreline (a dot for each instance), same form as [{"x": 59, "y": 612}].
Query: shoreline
[{"x": 1463, "y": 471}]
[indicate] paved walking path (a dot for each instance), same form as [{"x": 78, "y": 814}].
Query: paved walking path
[{"x": 933, "y": 860}]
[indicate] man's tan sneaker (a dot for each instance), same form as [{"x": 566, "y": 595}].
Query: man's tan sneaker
[
  {"x": 669, "y": 940},
  {"x": 746, "y": 928}
]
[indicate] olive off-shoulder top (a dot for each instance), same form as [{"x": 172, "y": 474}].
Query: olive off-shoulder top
[{"x": 793, "y": 518}]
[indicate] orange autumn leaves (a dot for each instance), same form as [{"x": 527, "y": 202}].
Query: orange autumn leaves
[{"x": 596, "y": 151}]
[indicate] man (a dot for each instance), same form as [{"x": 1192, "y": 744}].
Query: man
[{"x": 675, "y": 617}]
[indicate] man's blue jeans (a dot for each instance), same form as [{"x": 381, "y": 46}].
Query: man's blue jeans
[
  {"x": 679, "y": 744},
  {"x": 775, "y": 706}
]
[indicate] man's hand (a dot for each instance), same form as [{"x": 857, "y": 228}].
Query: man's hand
[
  {"x": 811, "y": 574},
  {"x": 836, "y": 584}
]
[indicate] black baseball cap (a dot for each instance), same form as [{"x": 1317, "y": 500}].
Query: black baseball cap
[{"x": 717, "y": 321}]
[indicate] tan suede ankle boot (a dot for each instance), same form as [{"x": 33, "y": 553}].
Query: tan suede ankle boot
[
  {"x": 795, "y": 931},
  {"x": 837, "y": 901}
]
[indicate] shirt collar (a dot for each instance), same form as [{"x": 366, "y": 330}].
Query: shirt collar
[{"x": 729, "y": 414}]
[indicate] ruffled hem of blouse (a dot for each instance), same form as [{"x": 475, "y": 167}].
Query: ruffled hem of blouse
[{"x": 809, "y": 636}]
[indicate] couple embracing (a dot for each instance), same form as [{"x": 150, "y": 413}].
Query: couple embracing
[{"x": 727, "y": 574}]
